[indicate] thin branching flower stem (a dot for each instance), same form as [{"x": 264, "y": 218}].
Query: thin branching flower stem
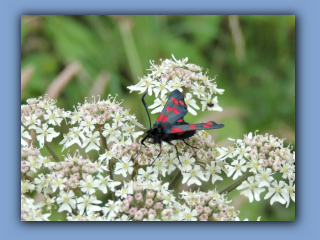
[
  {"x": 175, "y": 180},
  {"x": 104, "y": 148},
  {"x": 50, "y": 150},
  {"x": 236, "y": 184}
]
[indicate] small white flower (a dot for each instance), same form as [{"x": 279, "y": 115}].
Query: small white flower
[
  {"x": 291, "y": 188},
  {"x": 182, "y": 62},
  {"x": 187, "y": 162},
  {"x": 107, "y": 182},
  {"x": 27, "y": 186},
  {"x": 161, "y": 87},
  {"x": 279, "y": 191},
  {"x": 125, "y": 190},
  {"x": 214, "y": 101},
  {"x": 263, "y": 177},
  {"x": 76, "y": 133},
  {"x": 191, "y": 103},
  {"x": 146, "y": 175},
  {"x": 86, "y": 203},
  {"x": 106, "y": 157},
  {"x": 212, "y": 170},
  {"x": 114, "y": 135},
  {"x": 111, "y": 209},
  {"x": 251, "y": 189},
  {"x": 225, "y": 153},
  {"x": 188, "y": 215},
  {"x": 124, "y": 166},
  {"x": 67, "y": 201},
  {"x": 160, "y": 166},
  {"x": 143, "y": 85},
  {"x": 32, "y": 122},
  {"x": 89, "y": 184},
  {"x": 58, "y": 182},
  {"x": 175, "y": 83},
  {"x": 26, "y": 135},
  {"x": 198, "y": 90},
  {"x": 45, "y": 134},
  {"x": 158, "y": 105},
  {"x": 92, "y": 141},
  {"x": 192, "y": 176},
  {"x": 52, "y": 117},
  {"x": 237, "y": 168},
  {"x": 88, "y": 124}
]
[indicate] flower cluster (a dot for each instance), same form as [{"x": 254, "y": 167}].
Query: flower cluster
[
  {"x": 111, "y": 177},
  {"x": 262, "y": 156},
  {"x": 152, "y": 201},
  {"x": 187, "y": 77}
]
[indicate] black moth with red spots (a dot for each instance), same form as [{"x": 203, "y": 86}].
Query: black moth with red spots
[{"x": 170, "y": 124}]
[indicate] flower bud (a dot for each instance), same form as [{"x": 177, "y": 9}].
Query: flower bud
[
  {"x": 132, "y": 211},
  {"x": 150, "y": 194},
  {"x": 138, "y": 197},
  {"x": 149, "y": 202},
  {"x": 158, "y": 206},
  {"x": 203, "y": 217}
]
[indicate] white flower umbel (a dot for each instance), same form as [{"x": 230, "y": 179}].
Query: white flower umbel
[
  {"x": 69, "y": 181},
  {"x": 188, "y": 78}
]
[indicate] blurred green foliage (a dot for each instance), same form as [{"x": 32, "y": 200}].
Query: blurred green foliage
[{"x": 253, "y": 56}]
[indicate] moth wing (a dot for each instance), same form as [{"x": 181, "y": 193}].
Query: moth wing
[
  {"x": 179, "y": 129},
  {"x": 174, "y": 109}
]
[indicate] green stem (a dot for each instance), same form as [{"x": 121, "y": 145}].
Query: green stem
[
  {"x": 103, "y": 142},
  {"x": 104, "y": 149},
  {"x": 236, "y": 184},
  {"x": 111, "y": 177},
  {"x": 175, "y": 180},
  {"x": 53, "y": 154}
]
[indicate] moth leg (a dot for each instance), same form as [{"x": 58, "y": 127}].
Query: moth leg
[
  {"x": 157, "y": 156},
  {"x": 188, "y": 144},
  {"x": 177, "y": 152},
  {"x": 144, "y": 140}
]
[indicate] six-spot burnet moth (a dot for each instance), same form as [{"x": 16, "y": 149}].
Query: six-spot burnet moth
[{"x": 170, "y": 124}]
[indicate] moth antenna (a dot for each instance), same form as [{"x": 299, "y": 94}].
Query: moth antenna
[{"x": 145, "y": 106}]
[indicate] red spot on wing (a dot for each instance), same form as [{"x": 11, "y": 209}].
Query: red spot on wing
[
  {"x": 175, "y": 110},
  {"x": 206, "y": 126},
  {"x": 165, "y": 118},
  {"x": 180, "y": 120},
  {"x": 180, "y": 133},
  {"x": 192, "y": 126},
  {"x": 168, "y": 108},
  {"x": 160, "y": 117},
  {"x": 174, "y": 100},
  {"x": 176, "y": 130},
  {"x": 181, "y": 102},
  {"x": 209, "y": 123}
]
